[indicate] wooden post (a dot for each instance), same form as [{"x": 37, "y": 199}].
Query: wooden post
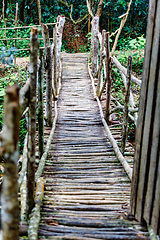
[
  {"x": 61, "y": 21},
  {"x": 9, "y": 141},
  {"x": 126, "y": 106},
  {"x": 55, "y": 59},
  {"x": 48, "y": 67},
  {"x": 16, "y": 18},
  {"x": 39, "y": 10},
  {"x": 32, "y": 119},
  {"x": 100, "y": 78},
  {"x": 94, "y": 45},
  {"x": 108, "y": 77},
  {"x": 145, "y": 189},
  {"x": 40, "y": 106}
]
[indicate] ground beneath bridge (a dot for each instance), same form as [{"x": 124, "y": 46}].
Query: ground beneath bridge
[{"x": 87, "y": 191}]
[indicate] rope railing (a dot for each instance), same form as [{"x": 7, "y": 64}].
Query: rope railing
[
  {"x": 100, "y": 73},
  {"x": 17, "y": 103}
]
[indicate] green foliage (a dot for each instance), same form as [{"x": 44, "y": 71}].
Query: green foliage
[
  {"x": 89, "y": 37},
  {"x": 22, "y": 133},
  {"x": 28, "y": 14},
  {"x": 137, "y": 43},
  {"x": 9, "y": 76},
  {"x": 135, "y": 49}
]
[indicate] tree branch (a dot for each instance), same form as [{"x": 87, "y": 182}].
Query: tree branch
[
  {"x": 89, "y": 8},
  {"x": 71, "y": 6},
  {"x": 100, "y": 8},
  {"x": 123, "y": 21}
]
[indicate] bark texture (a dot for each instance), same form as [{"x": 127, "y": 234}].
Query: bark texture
[
  {"x": 119, "y": 155},
  {"x": 102, "y": 55},
  {"x": 40, "y": 107},
  {"x": 61, "y": 21},
  {"x": 48, "y": 67},
  {"x": 32, "y": 119},
  {"x": 108, "y": 74},
  {"x": 94, "y": 45},
  {"x": 126, "y": 106},
  {"x": 9, "y": 140}
]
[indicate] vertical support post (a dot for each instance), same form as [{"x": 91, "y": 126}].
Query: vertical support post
[
  {"x": 100, "y": 77},
  {"x": 9, "y": 143},
  {"x": 94, "y": 45},
  {"x": 126, "y": 106},
  {"x": 39, "y": 10},
  {"x": 32, "y": 119},
  {"x": 40, "y": 106},
  {"x": 108, "y": 77},
  {"x": 55, "y": 59},
  {"x": 3, "y": 13},
  {"x": 48, "y": 67},
  {"x": 61, "y": 21},
  {"x": 16, "y": 18},
  {"x": 145, "y": 187}
]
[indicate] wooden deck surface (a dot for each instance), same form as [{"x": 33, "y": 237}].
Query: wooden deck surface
[{"x": 87, "y": 192}]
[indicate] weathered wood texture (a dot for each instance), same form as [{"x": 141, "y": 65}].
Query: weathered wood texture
[
  {"x": 102, "y": 55},
  {"x": 40, "y": 105},
  {"x": 60, "y": 21},
  {"x": 48, "y": 67},
  {"x": 86, "y": 189},
  {"x": 145, "y": 197},
  {"x": 126, "y": 106},
  {"x": 94, "y": 45},
  {"x": 108, "y": 77},
  {"x": 9, "y": 142},
  {"x": 34, "y": 45}
]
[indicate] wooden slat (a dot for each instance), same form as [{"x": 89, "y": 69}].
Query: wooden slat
[
  {"x": 145, "y": 197},
  {"x": 86, "y": 189},
  {"x": 142, "y": 109}
]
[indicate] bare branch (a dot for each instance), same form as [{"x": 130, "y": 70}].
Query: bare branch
[
  {"x": 100, "y": 8},
  {"x": 123, "y": 21},
  {"x": 71, "y": 6},
  {"x": 89, "y": 8}
]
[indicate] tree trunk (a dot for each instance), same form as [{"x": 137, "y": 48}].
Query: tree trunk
[{"x": 21, "y": 14}]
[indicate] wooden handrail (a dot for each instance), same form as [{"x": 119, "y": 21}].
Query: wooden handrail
[
  {"x": 107, "y": 61},
  {"x": 28, "y": 97},
  {"x": 9, "y": 28}
]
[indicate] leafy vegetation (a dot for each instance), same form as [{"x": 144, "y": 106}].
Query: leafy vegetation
[
  {"x": 28, "y": 14},
  {"x": 135, "y": 49},
  {"x": 75, "y": 37},
  {"x": 9, "y": 76}
]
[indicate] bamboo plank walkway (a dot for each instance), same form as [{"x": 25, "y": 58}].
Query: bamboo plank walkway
[{"x": 87, "y": 191}]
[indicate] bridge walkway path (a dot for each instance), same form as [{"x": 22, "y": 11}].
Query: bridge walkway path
[{"x": 87, "y": 191}]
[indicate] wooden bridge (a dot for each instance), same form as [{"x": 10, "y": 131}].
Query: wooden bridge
[
  {"x": 87, "y": 191},
  {"x": 74, "y": 182}
]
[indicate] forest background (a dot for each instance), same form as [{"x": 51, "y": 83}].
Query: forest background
[
  {"x": 78, "y": 21},
  {"x": 75, "y": 36}
]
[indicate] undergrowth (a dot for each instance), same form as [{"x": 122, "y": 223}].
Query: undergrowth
[{"x": 9, "y": 76}]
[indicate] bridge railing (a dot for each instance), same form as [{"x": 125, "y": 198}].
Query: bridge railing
[
  {"x": 28, "y": 101},
  {"x": 100, "y": 68}
]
